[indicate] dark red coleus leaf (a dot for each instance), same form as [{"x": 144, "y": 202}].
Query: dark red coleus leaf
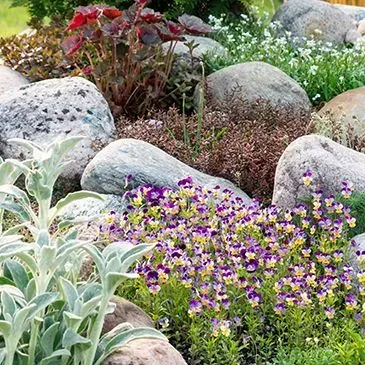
[
  {"x": 77, "y": 21},
  {"x": 71, "y": 44},
  {"x": 84, "y": 15},
  {"x": 166, "y": 35},
  {"x": 150, "y": 16},
  {"x": 111, "y": 12},
  {"x": 148, "y": 35},
  {"x": 194, "y": 25},
  {"x": 174, "y": 27}
]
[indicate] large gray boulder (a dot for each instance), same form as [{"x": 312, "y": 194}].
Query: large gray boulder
[
  {"x": 10, "y": 79},
  {"x": 146, "y": 352},
  {"x": 330, "y": 162},
  {"x": 246, "y": 83},
  {"x": 315, "y": 18},
  {"x": 356, "y": 12},
  {"x": 57, "y": 108},
  {"x": 147, "y": 164},
  {"x": 204, "y": 46}
]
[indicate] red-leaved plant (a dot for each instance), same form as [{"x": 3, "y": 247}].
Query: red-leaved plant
[{"x": 127, "y": 62}]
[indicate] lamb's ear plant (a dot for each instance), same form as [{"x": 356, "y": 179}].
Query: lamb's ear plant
[{"x": 47, "y": 316}]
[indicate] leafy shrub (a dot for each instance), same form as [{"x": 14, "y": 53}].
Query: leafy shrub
[
  {"x": 47, "y": 314},
  {"x": 323, "y": 70},
  {"x": 235, "y": 282},
  {"x": 40, "y": 9},
  {"x": 232, "y": 144},
  {"x": 128, "y": 63}
]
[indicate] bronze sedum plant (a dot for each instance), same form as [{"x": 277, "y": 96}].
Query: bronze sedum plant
[{"x": 48, "y": 316}]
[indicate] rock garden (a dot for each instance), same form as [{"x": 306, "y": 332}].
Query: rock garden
[{"x": 182, "y": 182}]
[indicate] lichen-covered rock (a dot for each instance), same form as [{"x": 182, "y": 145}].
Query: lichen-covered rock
[
  {"x": 147, "y": 164},
  {"x": 146, "y": 352},
  {"x": 10, "y": 79},
  {"x": 246, "y": 83},
  {"x": 126, "y": 311},
  {"x": 330, "y": 162},
  {"x": 57, "y": 108},
  {"x": 314, "y": 19}
]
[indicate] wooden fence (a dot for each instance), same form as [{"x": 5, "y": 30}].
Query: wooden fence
[{"x": 348, "y": 2}]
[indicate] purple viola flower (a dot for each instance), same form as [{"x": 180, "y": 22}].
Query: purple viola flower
[
  {"x": 252, "y": 265},
  {"x": 187, "y": 182},
  {"x": 280, "y": 308},
  {"x": 195, "y": 307}
]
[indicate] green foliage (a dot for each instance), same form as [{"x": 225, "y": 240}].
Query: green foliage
[
  {"x": 40, "y": 9},
  {"x": 47, "y": 316},
  {"x": 357, "y": 204},
  {"x": 314, "y": 356},
  {"x": 323, "y": 70}
]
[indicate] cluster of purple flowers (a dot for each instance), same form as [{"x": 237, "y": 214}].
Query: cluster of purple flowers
[{"x": 226, "y": 252}]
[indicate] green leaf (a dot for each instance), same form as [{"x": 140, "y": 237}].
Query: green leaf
[
  {"x": 16, "y": 193},
  {"x": 53, "y": 358},
  {"x": 29, "y": 145},
  {"x": 13, "y": 249},
  {"x": 16, "y": 271},
  {"x": 72, "y": 197},
  {"x": 15, "y": 229},
  {"x": 21, "y": 317},
  {"x": 133, "y": 254},
  {"x": 8, "y": 304},
  {"x": 31, "y": 289},
  {"x": 48, "y": 338},
  {"x": 42, "y": 301},
  {"x": 43, "y": 239},
  {"x": 29, "y": 261},
  {"x": 69, "y": 292},
  {"x": 16, "y": 209},
  {"x": 113, "y": 279},
  {"x": 71, "y": 338},
  {"x": 12, "y": 290},
  {"x": 122, "y": 336},
  {"x": 71, "y": 319},
  {"x": 5, "y": 328},
  {"x": 4, "y": 280},
  {"x": 47, "y": 257},
  {"x": 96, "y": 256}
]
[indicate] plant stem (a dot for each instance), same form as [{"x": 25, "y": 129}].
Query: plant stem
[
  {"x": 96, "y": 330},
  {"x": 33, "y": 342},
  {"x": 10, "y": 352}
]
